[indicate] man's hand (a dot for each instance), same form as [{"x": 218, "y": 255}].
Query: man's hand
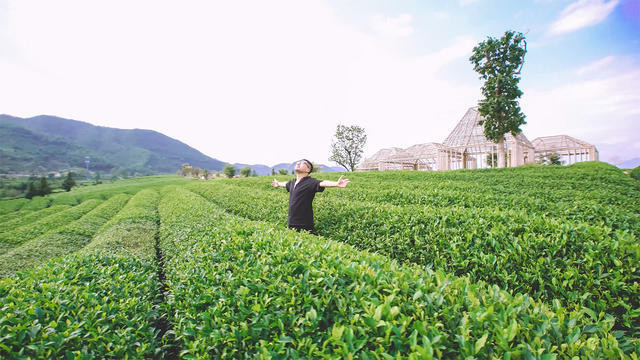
[
  {"x": 275, "y": 183},
  {"x": 343, "y": 182}
]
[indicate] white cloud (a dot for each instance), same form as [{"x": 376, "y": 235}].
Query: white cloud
[
  {"x": 260, "y": 86},
  {"x": 595, "y": 66},
  {"x": 602, "y": 110},
  {"x": 393, "y": 27},
  {"x": 581, "y": 14}
]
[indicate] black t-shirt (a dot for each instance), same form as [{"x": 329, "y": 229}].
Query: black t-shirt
[{"x": 300, "y": 199}]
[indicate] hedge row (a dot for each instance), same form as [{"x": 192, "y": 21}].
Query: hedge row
[
  {"x": 101, "y": 302},
  {"x": 133, "y": 229},
  {"x": 244, "y": 289},
  {"x": 28, "y": 217},
  {"x": 580, "y": 264},
  {"x": 93, "y": 306},
  {"x": 63, "y": 240},
  {"x": 11, "y": 239}
]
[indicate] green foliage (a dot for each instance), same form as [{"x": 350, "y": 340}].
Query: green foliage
[
  {"x": 62, "y": 240},
  {"x": 284, "y": 171},
  {"x": 245, "y": 171},
  {"x": 635, "y": 173},
  {"x": 347, "y": 145},
  {"x": 68, "y": 182},
  {"x": 229, "y": 170},
  {"x": 31, "y": 191},
  {"x": 495, "y": 228},
  {"x": 533, "y": 262},
  {"x": 323, "y": 299},
  {"x": 9, "y": 240},
  {"x": 9, "y": 206},
  {"x": 498, "y": 62},
  {"x": 28, "y": 217},
  {"x": 97, "y": 180},
  {"x": 84, "y": 307},
  {"x": 551, "y": 159}
]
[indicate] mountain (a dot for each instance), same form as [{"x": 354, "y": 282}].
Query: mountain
[
  {"x": 266, "y": 170},
  {"x": 630, "y": 164},
  {"x": 47, "y": 143},
  {"x": 25, "y": 152}
]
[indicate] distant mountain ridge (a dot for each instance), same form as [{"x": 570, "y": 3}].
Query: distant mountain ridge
[
  {"x": 630, "y": 164},
  {"x": 45, "y": 143},
  {"x": 266, "y": 170},
  {"x": 144, "y": 151}
]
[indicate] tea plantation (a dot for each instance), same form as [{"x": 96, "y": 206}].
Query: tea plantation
[{"x": 524, "y": 263}]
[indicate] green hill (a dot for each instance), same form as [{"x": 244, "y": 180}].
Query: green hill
[
  {"x": 23, "y": 151},
  {"x": 48, "y": 143}
]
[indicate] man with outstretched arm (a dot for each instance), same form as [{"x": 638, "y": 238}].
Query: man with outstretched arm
[{"x": 302, "y": 190}]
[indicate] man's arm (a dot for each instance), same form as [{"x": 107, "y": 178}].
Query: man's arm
[
  {"x": 341, "y": 183},
  {"x": 277, "y": 183}
]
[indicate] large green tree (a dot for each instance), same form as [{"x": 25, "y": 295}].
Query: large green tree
[
  {"x": 347, "y": 146},
  {"x": 229, "y": 170},
  {"x": 499, "y": 62},
  {"x": 245, "y": 171}
]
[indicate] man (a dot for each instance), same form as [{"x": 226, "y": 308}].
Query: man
[{"x": 301, "y": 194}]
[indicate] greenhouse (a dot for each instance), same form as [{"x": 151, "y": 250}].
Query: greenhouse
[{"x": 466, "y": 147}]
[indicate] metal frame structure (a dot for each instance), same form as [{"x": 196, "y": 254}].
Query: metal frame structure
[
  {"x": 466, "y": 147},
  {"x": 570, "y": 149}
]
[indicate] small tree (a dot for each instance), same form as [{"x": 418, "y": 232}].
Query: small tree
[
  {"x": 31, "y": 191},
  {"x": 205, "y": 173},
  {"x": 499, "y": 62},
  {"x": 347, "y": 146},
  {"x": 245, "y": 171},
  {"x": 273, "y": 171},
  {"x": 68, "y": 182},
  {"x": 254, "y": 173},
  {"x": 554, "y": 159},
  {"x": 229, "y": 170},
  {"x": 283, "y": 171},
  {"x": 43, "y": 188},
  {"x": 97, "y": 180},
  {"x": 635, "y": 173}
]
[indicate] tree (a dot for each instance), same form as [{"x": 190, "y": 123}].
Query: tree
[
  {"x": 635, "y": 173},
  {"x": 499, "y": 62},
  {"x": 44, "y": 188},
  {"x": 205, "y": 173},
  {"x": 229, "y": 170},
  {"x": 347, "y": 146},
  {"x": 97, "y": 180},
  {"x": 245, "y": 171},
  {"x": 68, "y": 182},
  {"x": 553, "y": 159},
  {"x": 273, "y": 171},
  {"x": 254, "y": 173},
  {"x": 186, "y": 170},
  {"x": 31, "y": 191},
  {"x": 283, "y": 171}
]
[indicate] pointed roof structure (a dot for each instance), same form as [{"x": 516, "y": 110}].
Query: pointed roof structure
[
  {"x": 470, "y": 133},
  {"x": 558, "y": 143}
]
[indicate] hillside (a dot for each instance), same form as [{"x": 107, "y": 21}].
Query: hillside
[
  {"x": 138, "y": 150},
  {"x": 23, "y": 151}
]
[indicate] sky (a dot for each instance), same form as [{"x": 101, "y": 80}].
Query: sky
[{"x": 265, "y": 82}]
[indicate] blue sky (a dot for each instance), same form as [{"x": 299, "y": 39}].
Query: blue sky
[{"x": 267, "y": 82}]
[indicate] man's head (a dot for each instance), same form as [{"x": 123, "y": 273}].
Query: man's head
[{"x": 304, "y": 166}]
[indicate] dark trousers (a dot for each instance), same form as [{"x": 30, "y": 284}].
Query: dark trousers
[{"x": 308, "y": 228}]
